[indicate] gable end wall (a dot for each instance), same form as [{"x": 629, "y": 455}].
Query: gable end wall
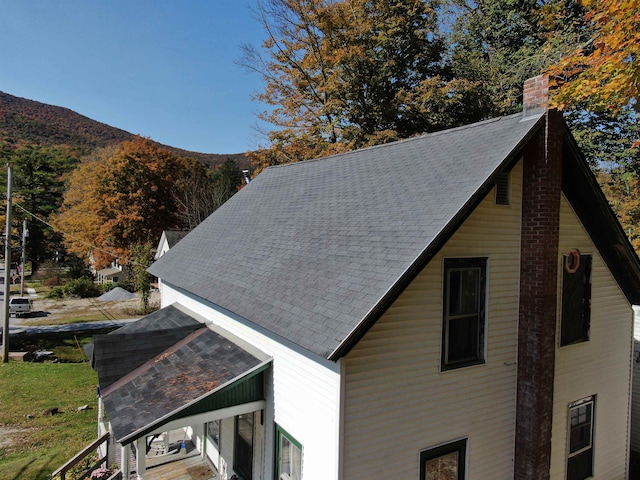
[
  {"x": 600, "y": 367},
  {"x": 397, "y": 402}
]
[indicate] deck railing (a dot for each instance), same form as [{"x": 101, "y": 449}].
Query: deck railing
[{"x": 80, "y": 456}]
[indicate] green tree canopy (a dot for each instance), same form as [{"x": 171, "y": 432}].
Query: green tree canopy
[{"x": 39, "y": 174}]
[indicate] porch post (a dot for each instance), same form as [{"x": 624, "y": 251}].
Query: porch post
[
  {"x": 125, "y": 451},
  {"x": 141, "y": 457},
  {"x": 100, "y": 414}
]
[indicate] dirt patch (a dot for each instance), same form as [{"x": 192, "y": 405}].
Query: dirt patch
[
  {"x": 52, "y": 311},
  {"x": 10, "y": 436}
]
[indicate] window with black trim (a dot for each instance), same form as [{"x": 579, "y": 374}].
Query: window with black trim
[
  {"x": 289, "y": 456},
  {"x": 465, "y": 287},
  {"x": 446, "y": 462},
  {"x": 580, "y": 458},
  {"x": 243, "y": 452},
  {"x": 576, "y": 298}
]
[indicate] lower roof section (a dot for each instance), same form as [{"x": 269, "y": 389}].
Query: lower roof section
[{"x": 204, "y": 371}]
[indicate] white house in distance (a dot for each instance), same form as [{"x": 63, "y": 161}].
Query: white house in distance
[
  {"x": 168, "y": 239},
  {"x": 452, "y": 306}
]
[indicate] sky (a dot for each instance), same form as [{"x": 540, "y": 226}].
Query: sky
[{"x": 164, "y": 69}]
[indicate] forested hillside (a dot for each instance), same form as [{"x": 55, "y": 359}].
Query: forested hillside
[
  {"x": 25, "y": 121},
  {"x": 94, "y": 192}
]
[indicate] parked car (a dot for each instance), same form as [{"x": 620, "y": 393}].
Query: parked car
[{"x": 19, "y": 306}]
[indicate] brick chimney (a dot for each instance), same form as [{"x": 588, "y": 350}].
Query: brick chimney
[
  {"x": 539, "y": 253},
  {"x": 535, "y": 98}
]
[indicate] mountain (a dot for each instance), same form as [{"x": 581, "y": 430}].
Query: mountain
[{"x": 31, "y": 122}]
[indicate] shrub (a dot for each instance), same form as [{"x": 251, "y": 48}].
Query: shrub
[
  {"x": 50, "y": 273},
  {"x": 80, "y": 288},
  {"x": 127, "y": 284},
  {"x": 56, "y": 293}
]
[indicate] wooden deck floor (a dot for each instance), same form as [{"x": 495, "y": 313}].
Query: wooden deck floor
[{"x": 190, "y": 468}]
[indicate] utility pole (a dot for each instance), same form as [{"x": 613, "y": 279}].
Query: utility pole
[
  {"x": 7, "y": 273},
  {"x": 25, "y": 234}
]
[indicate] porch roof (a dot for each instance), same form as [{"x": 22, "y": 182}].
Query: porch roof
[
  {"x": 118, "y": 353},
  {"x": 109, "y": 272},
  {"x": 206, "y": 370}
]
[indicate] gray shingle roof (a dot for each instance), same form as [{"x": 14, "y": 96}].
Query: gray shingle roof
[
  {"x": 309, "y": 250},
  {"x": 174, "y": 236}
]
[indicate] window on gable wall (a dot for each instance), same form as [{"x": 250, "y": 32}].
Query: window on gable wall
[
  {"x": 580, "y": 458},
  {"x": 576, "y": 298},
  {"x": 465, "y": 286},
  {"x": 446, "y": 462},
  {"x": 289, "y": 453}
]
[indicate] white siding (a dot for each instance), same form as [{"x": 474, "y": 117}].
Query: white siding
[
  {"x": 635, "y": 408},
  {"x": 598, "y": 367},
  {"x": 398, "y": 403},
  {"x": 304, "y": 398}
]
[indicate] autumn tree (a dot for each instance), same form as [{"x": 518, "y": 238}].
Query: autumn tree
[
  {"x": 597, "y": 81},
  {"x": 603, "y": 71},
  {"x": 120, "y": 198},
  {"x": 78, "y": 216},
  {"x": 342, "y": 75},
  {"x": 201, "y": 191}
]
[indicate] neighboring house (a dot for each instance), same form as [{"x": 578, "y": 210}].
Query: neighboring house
[
  {"x": 460, "y": 301},
  {"x": 167, "y": 240},
  {"x": 109, "y": 274}
]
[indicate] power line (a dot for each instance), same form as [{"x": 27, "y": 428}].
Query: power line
[{"x": 95, "y": 247}]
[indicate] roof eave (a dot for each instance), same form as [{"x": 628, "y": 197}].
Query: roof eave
[
  {"x": 140, "y": 432},
  {"x": 583, "y": 193}
]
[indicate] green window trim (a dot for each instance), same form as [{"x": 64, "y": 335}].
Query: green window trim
[{"x": 288, "y": 456}]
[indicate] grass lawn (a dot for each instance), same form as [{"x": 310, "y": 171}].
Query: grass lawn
[
  {"x": 66, "y": 346},
  {"x": 32, "y": 443}
]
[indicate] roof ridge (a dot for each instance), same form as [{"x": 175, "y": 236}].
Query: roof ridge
[
  {"x": 406, "y": 140},
  {"x": 132, "y": 375}
]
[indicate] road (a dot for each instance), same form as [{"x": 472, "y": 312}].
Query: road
[{"x": 15, "y": 327}]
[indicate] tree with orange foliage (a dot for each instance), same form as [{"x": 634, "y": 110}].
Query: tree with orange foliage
[
  {"x": 78, "y": 216},
  {"x": 344, "y": 75},
  {"x": 603, "y": 72},
  {"x": 121, "y": 198}
]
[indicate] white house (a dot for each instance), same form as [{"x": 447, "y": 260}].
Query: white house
[
  {"x": 167, "y": 240},
  {"x": 451, "y": 306}
]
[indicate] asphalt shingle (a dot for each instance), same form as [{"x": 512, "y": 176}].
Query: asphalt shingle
[
  {"x": 199, "y": 364},
  {"x": 125, "y": 349},
  {"x": 321, "y": 242}
]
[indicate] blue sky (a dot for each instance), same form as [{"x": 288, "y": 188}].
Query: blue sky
[{"x": 163, "y": 69}]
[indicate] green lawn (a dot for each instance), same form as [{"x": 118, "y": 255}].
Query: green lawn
[
  {"x": 44, "y": 442},
  {"x": 66, "y": 346}
]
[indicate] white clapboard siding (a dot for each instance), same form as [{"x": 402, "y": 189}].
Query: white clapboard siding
[
  {"x": 635, "y": 393},
  {"x": 635, "y": 396},
  {"x": 598, "y": 367},
  {"x": 303, "y": 396},
  {"x": 398, "y": 403}
]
